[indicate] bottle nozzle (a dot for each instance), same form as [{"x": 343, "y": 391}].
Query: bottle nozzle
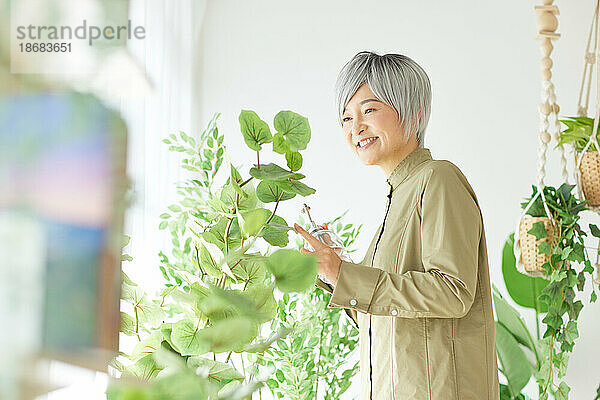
[{"x": 305, "y": 210}]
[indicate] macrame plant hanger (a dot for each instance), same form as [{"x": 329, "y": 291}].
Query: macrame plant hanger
[
  {"x": 590, "y": 162},
  {"x": 547, "y": 23}
]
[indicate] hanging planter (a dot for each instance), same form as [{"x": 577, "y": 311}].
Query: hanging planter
[
  {"x": 544, "y": 228},
  {"x": 547, "y": 235},
  {"x": 587, "y": 159},
  {"x": 535, "y": 233},
  {"x": 531, "y": 258},
  {"x": 589, "y": 168}
]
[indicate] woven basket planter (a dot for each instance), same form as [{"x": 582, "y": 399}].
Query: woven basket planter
[
  {"x": 530, "y": 256},
  {"x": 590, "y": 176}
]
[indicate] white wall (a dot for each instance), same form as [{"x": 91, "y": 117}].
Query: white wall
[{"x": 483, "y": 62}]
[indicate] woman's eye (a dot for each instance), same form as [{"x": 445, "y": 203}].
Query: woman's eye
[
  {"x": 344, "y": 120},
  {"x": 369, "y": 109}
]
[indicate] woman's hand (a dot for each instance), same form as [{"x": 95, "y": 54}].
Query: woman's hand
[{"x": 329, "y": 261}]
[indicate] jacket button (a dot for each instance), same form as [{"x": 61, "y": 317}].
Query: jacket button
[
  {"x": 353, "y": 302},
  {"x": 394, "y": 313}
]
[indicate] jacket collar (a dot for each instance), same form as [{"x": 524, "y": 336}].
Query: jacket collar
[{"x": 407, "y": 165}]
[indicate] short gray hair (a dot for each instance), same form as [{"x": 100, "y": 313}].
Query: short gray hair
[{"x": 396, "y": 80}]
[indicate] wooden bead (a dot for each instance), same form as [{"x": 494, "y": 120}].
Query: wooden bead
[
  {"x": 546, "y": 74},
  {"x": 545, "y": 137},
  {"x": 546, "y": 47},
  {"x": 556, "y": 108},
  {"x": 546, "y": 63},
  {"x": 547, "y": 22},
  {"x": 545, "y": 108}
]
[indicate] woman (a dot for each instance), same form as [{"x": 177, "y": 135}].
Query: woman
[{"x": 421, "y": 296}]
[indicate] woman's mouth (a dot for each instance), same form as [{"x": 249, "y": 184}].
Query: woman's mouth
[{"x": 363, "y": 145}]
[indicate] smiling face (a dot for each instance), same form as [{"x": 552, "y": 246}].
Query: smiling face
[{"x": 365, "y": 117}]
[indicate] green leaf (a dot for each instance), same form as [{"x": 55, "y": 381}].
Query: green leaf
[
  {"x": 216, "y": 370},
  {"x": 562, "y": 393},
  {"x": 544, "y": 248},
  {"x": 255, "y": 131},
  {"x": 186, "y": 336},
  {"x": 553, "y": 318},
  {"x": 264, "y": 301},
  {"x": 294, "y": 127},
  {"x": 273, "y": 234},
  {"x": 125, "y": 279},
  {"x": 523, "y": 289},
  {"x": 293, "y": 271},
  {"x": 514, "y": 324},
  {"x": 216, "y": 235},
  {"x": 175, "y": 208},
  {"x": 571, "y": 332},
  {"x": 208, "y": 263},
  {"x": 294, "y": 160},
  {"x": 516, "y": 367},
  {"x": 251, "y": 222},
  {"x": 538, "y": 230},
  {"x": 127, "y": 324},
  {"x": 218, "y": 306},
  {"x": 273, "y": 172},
  {"x": 229, "y": 193},
  {"x": 163, "y": 225},
  {"x": 146, "y": 310},
  {"x": 594, "y": 230},
  {"x": 235, "y": 180},
  {"x": 269, "y": 191},
  {"x": 230, "y": 334},
  {"x": 251, "y": 269},
  {"x": 280, "y": 376},
  {"x": 292, "y": 186},
  {"x": 147, "y": 346},
  {"x": 145, "y": 368},
  {"x": 280, "y": 145}
]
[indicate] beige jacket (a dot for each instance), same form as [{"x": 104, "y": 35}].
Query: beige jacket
[{"x": 421, "y": 296}]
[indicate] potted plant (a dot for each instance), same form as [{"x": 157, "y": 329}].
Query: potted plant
[
  {"x": 556, "y": 297},
  {"x": 219, "y": 295},
  {"x": 587, "y": 158},
  {"x": 541, "y": 236}
]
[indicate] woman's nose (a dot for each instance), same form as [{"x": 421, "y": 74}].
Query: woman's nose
[{"x": 357, "y": 127}]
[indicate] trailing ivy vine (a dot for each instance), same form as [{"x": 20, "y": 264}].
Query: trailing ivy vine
[{"x": 558, "y": 297}]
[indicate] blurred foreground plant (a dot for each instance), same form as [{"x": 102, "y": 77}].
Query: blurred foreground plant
[{"x": 218, "y": 294}]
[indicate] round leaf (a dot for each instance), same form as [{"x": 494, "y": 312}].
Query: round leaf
[
  {"x": 294, "y": 160},
  {"x": 186, "y": 336},
  {"x": 255, "y": 130},
  {"x": 280, "y": 145},
  {"x": 273, "y": 172},
  {"x": 251, "y": 221},
  {"x": 269, "y": 191},
  {"x": 293, "y": 271},
  {"x": 294, "y": 127},
  {"x": 273, "y": 235}
]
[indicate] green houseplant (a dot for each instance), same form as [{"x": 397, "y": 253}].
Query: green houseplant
[
  {"x": 218, "y": 295},
  {"x": 555, "y": 297},
  {"x": 579, "y": 134},
  {"x": 313, "y": 361}
]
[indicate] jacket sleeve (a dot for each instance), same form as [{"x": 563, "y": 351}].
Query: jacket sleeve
[
  {"x": 349, "y": 312},
  {"x": 451, "y": 226}
]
